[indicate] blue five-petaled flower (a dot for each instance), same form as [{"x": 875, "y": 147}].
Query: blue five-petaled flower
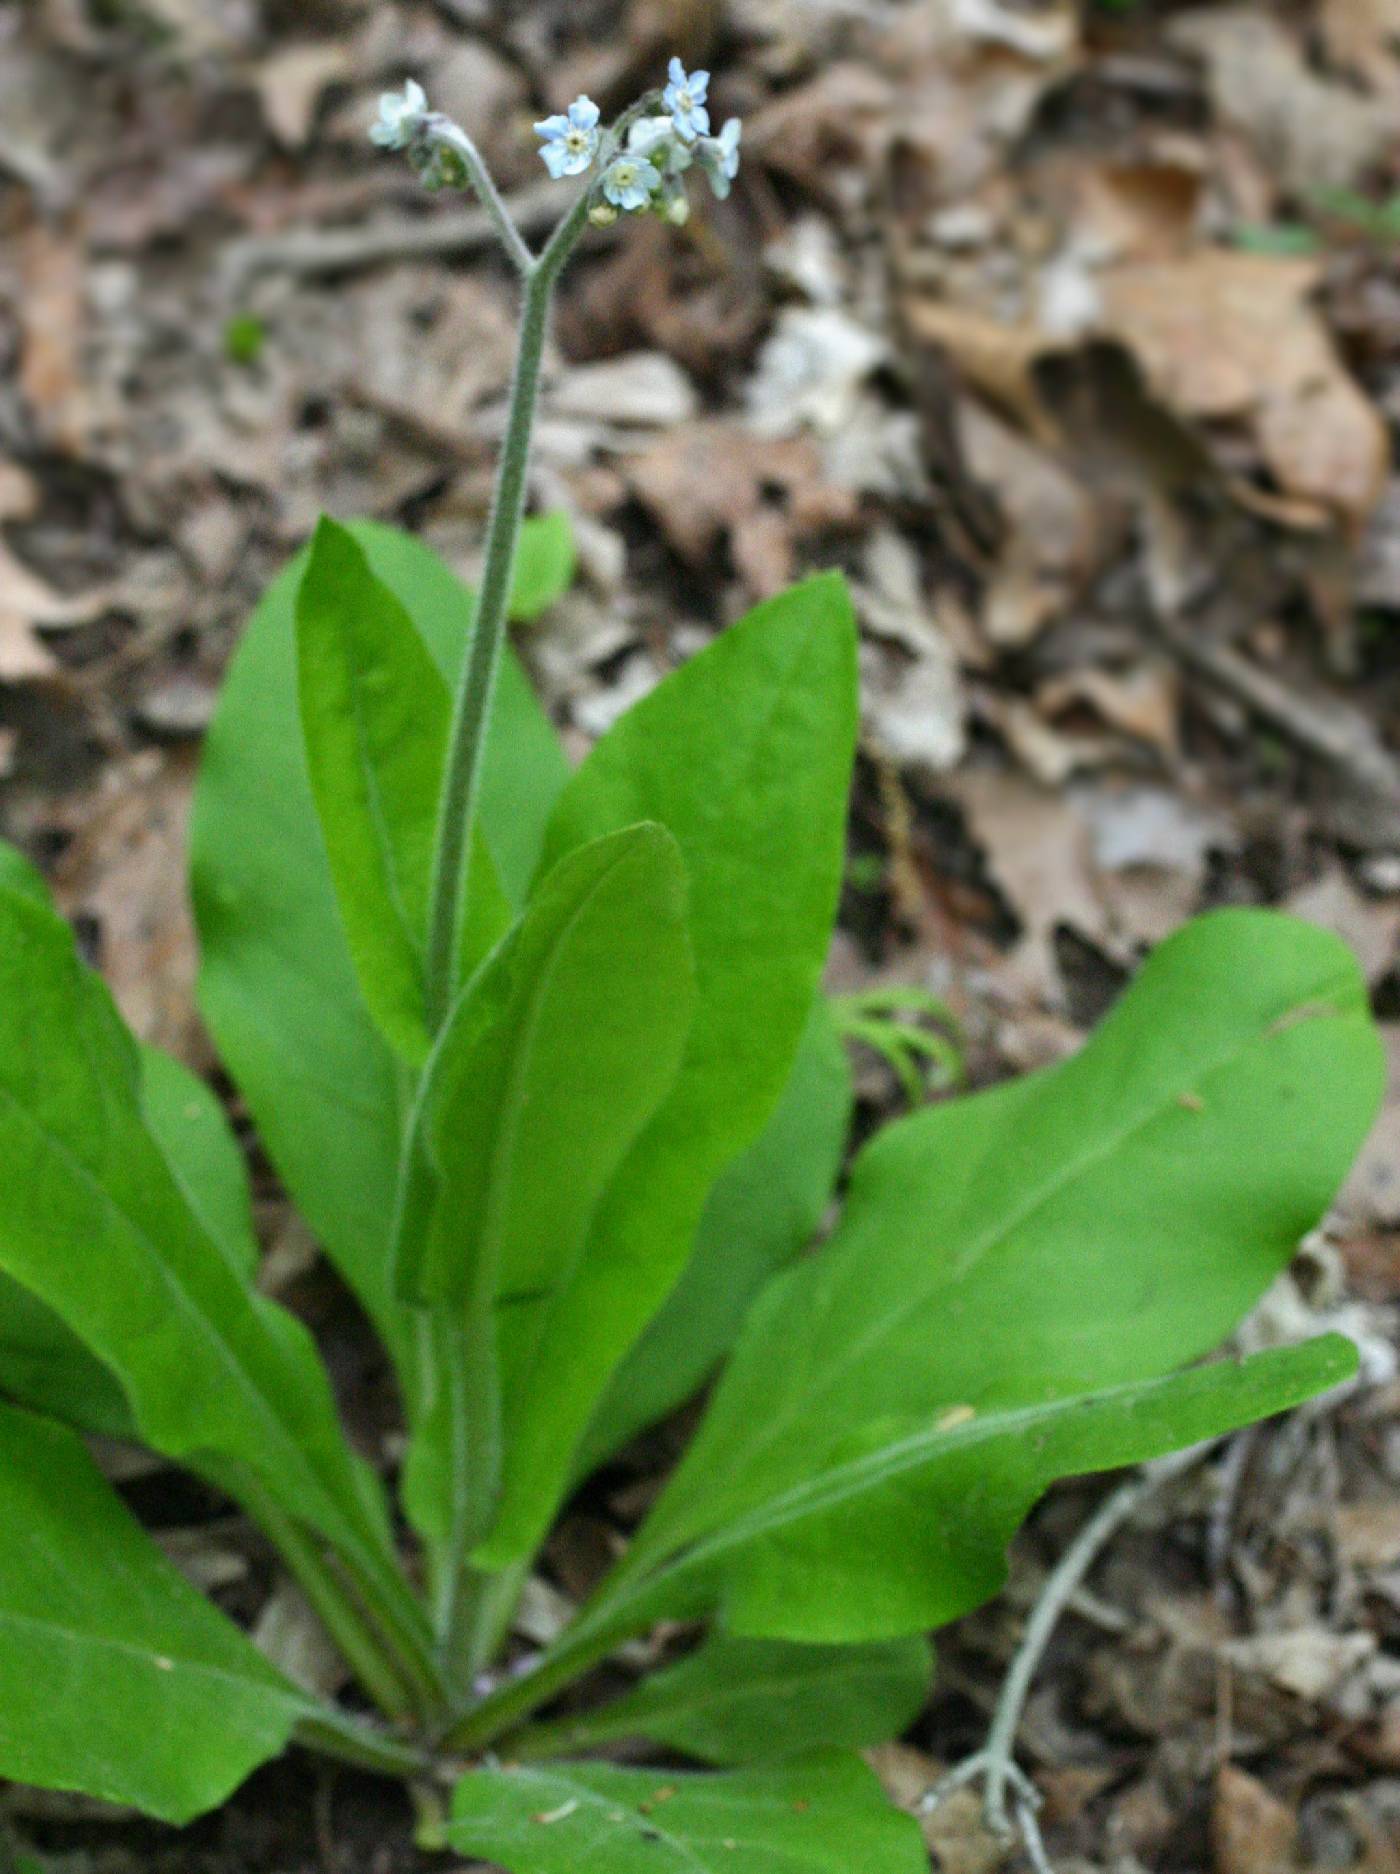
[
  {"x": 571, "y": 140},
  {"x": 400, "y": 114},
  {"x": 685, "y": 99},
  {"x": 631, "y": 182}
]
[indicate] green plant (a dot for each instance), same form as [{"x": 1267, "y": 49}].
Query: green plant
[{"x": 543, "y": 1059}]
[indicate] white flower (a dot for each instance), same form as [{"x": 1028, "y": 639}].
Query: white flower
[
  {"x": 685, "y": 100},
  {"x": 630, "y": 183},
  {"x": 719, "y": 157},
  {"x": 570, "y": 141},
  {"x": 400, "y": 115}
]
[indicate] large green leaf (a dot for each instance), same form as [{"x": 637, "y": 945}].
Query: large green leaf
[
  {"x": 819, "y": 1815},
  {"x": 763, "y": 1212},
  {"x": 42, "y": 1361},
  {"x": 277, "y": 985},
  {"x": 1013, "y": 1273},
  {"x": 95, "y": 1225},
  {"x": 184, "y": 1116},
  {"x": 746, "y": 1701},
  {"x": 375, "y": 714},
  {"x": 117, "y": 1678},
  {"x": 745, "y": 756},
  {"x": 17, "y": 874},
  {"x": 555, "y": 1057}
]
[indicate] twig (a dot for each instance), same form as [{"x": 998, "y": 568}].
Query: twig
[
  {"x": 341, "y": 250},
  {"x": 996, "y": 1761},
  {"x": 1320, "y": 724}
]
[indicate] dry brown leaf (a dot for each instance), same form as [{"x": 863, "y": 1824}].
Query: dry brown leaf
[
  {"x": 1310, "y": 133},
  {"x": 1051, "y": 541},
  {"x": 1251, "y": 1831},
  {"x": 991, "y": 356},
  {"x": 1363, "y": 37},
  {"x": 1038, "y": 852},
  {"x": 1147, "y": 209},
  {"x": 1232, "y": 337},
  {"x": 1369, "y": 927},
  {"x": 125, "y": 870},
  {"x": 52, "y": 316},
  {"x": 706, "y": 483},
  {"x": 291, "y": 83},
  {"x": 19, "y": 492},
  {"x": 1143, "y": 702},
  {"x": 822, "y": 130},
  {"x": 26, "y": 603}
]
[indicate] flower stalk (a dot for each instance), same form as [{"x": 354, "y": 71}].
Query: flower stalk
[{"x": 637, "y": 166}]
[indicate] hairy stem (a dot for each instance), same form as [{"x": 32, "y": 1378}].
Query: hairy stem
[
  {"x": 476, "y": 689},
  {"x": 442, "y": 131}
]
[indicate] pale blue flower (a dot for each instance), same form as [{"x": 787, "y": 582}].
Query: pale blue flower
[
  {"x": 400, "y": 115},
  {"x": 719, "y": 157},
  {"x": 685, "y": 100},
  {"x": 630, "y": 182},
  {"x": 650, "y": 135},
  {"x": 570, "y": 141}
]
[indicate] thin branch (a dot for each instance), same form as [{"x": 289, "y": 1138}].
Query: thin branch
[{"x": 342, "y": 250}]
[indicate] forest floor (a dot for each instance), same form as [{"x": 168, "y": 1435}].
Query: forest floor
[{"x": 1072, "y": 332}]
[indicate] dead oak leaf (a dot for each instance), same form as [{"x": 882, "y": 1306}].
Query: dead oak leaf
[
  {"x": 1232, "y": 338},
  {"x": 706, "y": 483}
]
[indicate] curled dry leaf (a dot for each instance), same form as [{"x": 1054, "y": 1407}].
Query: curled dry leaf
[{"x": 1233, "y": 338}]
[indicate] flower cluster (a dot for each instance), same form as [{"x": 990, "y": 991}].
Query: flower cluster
[{"x": 646, "y": 173}]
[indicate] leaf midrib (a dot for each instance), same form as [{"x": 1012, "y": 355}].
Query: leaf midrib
[{"x": 857, "y": 1348}]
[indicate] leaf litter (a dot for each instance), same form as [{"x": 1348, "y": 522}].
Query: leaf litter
[{"x": 1072, "y": 334}]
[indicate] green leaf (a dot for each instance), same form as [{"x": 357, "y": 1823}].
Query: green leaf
[
  {"x": 188, "y": 1123},
  {"x": 17, "y": 874},
  {"x": 277, "y": 985},
  {"x": 820, "y": 1815},
  {"x": 763, "y": 1212},
  {"x": 555, "y": 1057},
  {"x": 117, "y": 1678},
  {"x": 743, "y": 1701},
  {"x": 907, "y": 1528},
  {"x": 375, "y": 713},
  {"x": 96, "y": 1226},
  {"x": 1012, "y": 1274},
  {"x": 42, "y": 1362},
  {"x": 545, "y": 564},
  {"x": 745, "y": 756}
]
